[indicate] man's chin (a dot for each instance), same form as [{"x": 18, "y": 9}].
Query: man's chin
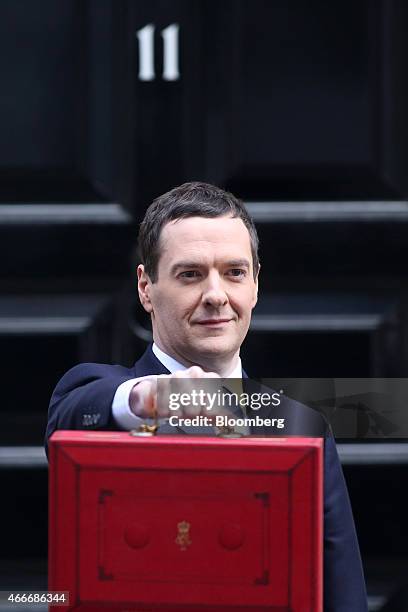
[{"x": 215, "y": 346}]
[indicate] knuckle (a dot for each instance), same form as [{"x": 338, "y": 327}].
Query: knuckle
[{"x": 196, "y": 371}]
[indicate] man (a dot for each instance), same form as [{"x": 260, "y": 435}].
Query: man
[{"x": 199, "y": 281}]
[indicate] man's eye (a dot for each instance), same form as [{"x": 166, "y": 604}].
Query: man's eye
[
  {"x": 189, "y": 274},
  {"x": 237, "y": 272}
]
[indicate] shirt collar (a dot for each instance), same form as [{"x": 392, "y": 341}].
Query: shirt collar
[{"x": 173, "y": 365}]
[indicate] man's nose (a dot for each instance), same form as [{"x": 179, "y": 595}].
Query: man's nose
[{"x": 214, "y": 292}]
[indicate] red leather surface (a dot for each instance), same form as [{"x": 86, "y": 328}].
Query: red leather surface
[{"x": 186, "y": 523}]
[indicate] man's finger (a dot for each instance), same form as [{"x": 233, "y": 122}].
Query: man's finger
[{"x": 143, "y": 399}]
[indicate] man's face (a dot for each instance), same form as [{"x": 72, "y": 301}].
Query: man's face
[{"x": 205, "y": 291}]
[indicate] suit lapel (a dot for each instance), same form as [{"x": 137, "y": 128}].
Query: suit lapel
[{"x": 149, "y": 364}]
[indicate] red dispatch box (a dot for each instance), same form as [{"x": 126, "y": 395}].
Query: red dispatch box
[{"x": 175, "y": 523}]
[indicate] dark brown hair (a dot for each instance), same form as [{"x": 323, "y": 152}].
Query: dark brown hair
[{"x": 189, "y": 200}]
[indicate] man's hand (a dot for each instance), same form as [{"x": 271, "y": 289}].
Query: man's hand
[{"x": 143, "y": 397}]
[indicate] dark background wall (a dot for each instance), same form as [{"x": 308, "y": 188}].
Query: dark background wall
[{"x": 300, "y": 109}]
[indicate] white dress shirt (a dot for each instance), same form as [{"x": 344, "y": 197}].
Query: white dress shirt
[{"x": 121, "y": 411}]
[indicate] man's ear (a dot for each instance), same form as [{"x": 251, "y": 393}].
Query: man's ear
[
  {"x": 143, "y": 287},
  {"x": 256, "y": 288}
]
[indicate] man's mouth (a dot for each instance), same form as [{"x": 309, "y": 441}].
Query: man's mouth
[{"x": 213, "y": 322}]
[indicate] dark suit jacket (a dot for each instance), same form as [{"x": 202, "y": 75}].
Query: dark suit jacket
[{"x": 83, "y": 400}]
